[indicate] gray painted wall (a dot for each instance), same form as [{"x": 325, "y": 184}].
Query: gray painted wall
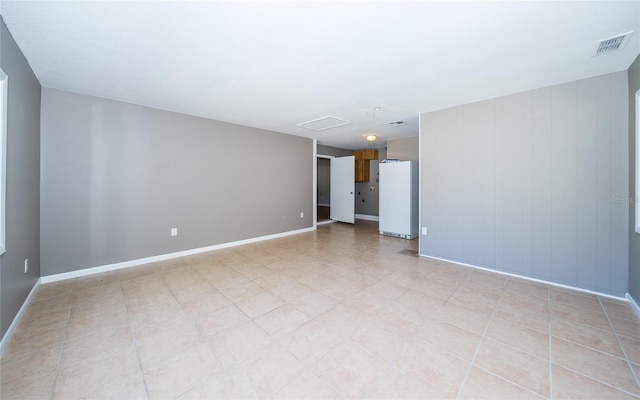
[
  {"x": 23, "y": 181},
  {"x": 332, "y": 151},
  {"x": 407, "y": 149},
  {"x": 324, "y": 171},
  {"x": 367, "y": 201},
  {"x": 117, "y": 177},
  {"x": 533, "y": 183},
  {"x": 634, "y": 238}
]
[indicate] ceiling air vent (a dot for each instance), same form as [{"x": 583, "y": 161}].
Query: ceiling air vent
[
  {"x": 397, "y": 123},
  {"x": 613, "y": 43},
  {"x": 324, "y": 123}
]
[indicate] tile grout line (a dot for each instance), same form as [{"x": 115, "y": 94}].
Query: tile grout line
[
  {"x": 305, "y": 368},
  {"x": 502, "y": 378},
  {"x": 581, "y": 324},
  {"x": 517, "y": 349},
  {"x": 473, "y": 359},
  {"x": 133, "y": 335},
  {"x": 414, "y": 336},
  {"x": 600, "y": 381},
  {"x": 615, "y": 333},
  {"x": 376, "y": 383},
  {"x": 211, "y": 351},
  {"x": 313, "y": 365},
  {"x": 275, "y": 340},
  {"x": 602, "y": 352},
  {"x": 224, "y": 367},
  {"x": 514, "y": 348},
  {"x": 483, "y": 369},
  {"x": 64, "y": 341},
  {"x": 347, "y": 338},
  {"x": 379, "y": 375}
]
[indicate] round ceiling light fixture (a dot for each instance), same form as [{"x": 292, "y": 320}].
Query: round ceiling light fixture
[{"x": 371, "y": 138}]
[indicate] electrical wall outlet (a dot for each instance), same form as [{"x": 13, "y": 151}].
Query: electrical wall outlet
[
  {"x": 424, "y": 230},
  {"x": 301, "y": 215},
  {"x": 174, "y": 231},
  {"x": 26, "y": 265}
]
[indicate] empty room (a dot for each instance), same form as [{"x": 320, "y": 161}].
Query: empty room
[{"x": 319, "y": 199}]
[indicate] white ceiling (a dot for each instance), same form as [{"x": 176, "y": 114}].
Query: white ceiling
[{"x": 273, "y": 65}]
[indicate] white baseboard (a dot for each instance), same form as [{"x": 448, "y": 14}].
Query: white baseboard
[
  {"x": 169, "y": 256},
  {"x": 527, "y": 278},
  {"x": 633, "y": 304},
  {"x": 325, "y": 222},
  {"x": 368, "y": 217},
  {"x": 16, "y": 320}
]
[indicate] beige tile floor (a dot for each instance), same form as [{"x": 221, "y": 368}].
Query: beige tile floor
[{"x": 337, "y": 313}]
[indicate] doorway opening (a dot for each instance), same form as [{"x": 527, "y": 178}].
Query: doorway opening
[{"x": 323, "y": 172}]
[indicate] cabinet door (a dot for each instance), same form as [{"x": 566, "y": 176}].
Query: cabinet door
[
  {"x": 362, "y": 170},
  {"x": 370, "y": 154},
  {"x": 359, "y": 155}
]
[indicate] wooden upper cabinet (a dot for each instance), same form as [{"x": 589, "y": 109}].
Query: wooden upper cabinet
[
  {"x": 370, "y": 154},
  {"x": 362, "y": 170},
  {"x": 362, "y": 158}
]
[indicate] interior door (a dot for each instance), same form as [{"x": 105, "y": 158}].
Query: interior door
[{"x": 343, "y": 206}]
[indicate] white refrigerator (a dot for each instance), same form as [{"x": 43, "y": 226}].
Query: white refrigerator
[{"x": 399, "y": 199}]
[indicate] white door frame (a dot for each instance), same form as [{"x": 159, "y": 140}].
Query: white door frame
[
  {"x": 4, "y": 80},
  {"x": 315, "y": 189}
]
